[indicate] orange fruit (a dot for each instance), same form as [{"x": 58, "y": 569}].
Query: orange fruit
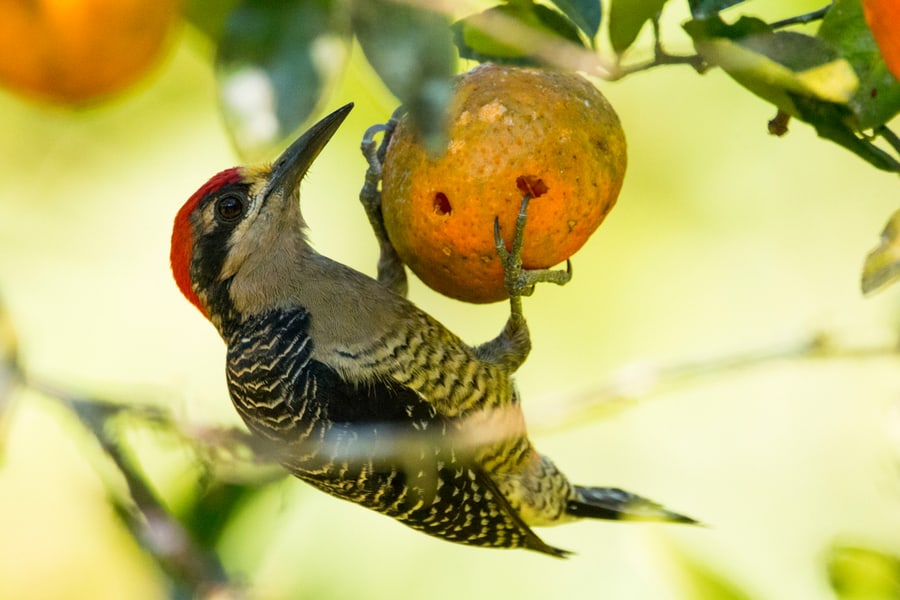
[
  {"x": 512, "y": 131},
  {"x": 78, "y": 51},
  {"x": 883, "y": 17}
]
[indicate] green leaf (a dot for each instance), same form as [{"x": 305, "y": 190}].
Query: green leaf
[
  {"x": 208, "y": 16},
  {"x": 558, "y": 23},
  {"x": 882, "y": 267},
  {"x": 627, "y": 18},
  {"x": 474, "y": 40},
  {"x": 802, "y": 75},
  {"x": 412, "y": 51},
  {"x": 700, "y": 581},
  {"x": 878, "y": 98},
  {"x": 273, "y": 63},
  {"x": 776, "y": 66},
  {"x": 700, "y": 9},
  {"x": 714, "y": 27},
  {"x": 796, "y": 51},
  {"x": 508, "y": 33},
  {"x": 832, "y": 123},
  {"x": 215, "y": 508},
  {"x": 585, "y": 14},
  {"x": 862, "y": 573}
]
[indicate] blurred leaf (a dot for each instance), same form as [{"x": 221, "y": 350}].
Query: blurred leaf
[
  {"x": 209, "y": 16},
  {"x": 9, "y": 368},
  {"x": 188, "y": 566},
  {"x": 700, "y": 581},
  {"x": 474, "y": 41},
  {"x": 700, "y": 9},
  {"x": 273, "y": 61},
  {"x": 882, "y": 266},
  {"x": 777, "y": 66},
  {"x": 557, "y": 23},
  {"x": 714, "y": 27},
  {"x": 707, "y": 584},
  {"x": 832, "y": 123},
  {"x": 863, "y": 574},
  {"x": 477, "y": 36},
  {"x": 627, "y": 18},
  {"x": 9, "y": 354},
  {"x": 215, "y": 508},
  {"x": 802, "y": 75},
  {"x": 585, "y": 14},
  {"x": 412, "y": 51},
  {"x": 878, "y": 98}
]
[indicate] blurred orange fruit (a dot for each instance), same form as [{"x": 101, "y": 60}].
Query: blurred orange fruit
[
  {"x": 78, "y": 51},
  {"x": 883, "y": 17},
  {"x": 512, "y": 131}
]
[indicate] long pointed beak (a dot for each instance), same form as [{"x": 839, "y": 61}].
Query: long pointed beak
[{"x": 293, "y": 163}]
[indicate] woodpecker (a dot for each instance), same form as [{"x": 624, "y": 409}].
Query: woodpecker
[{"x": 358, "y": 391}]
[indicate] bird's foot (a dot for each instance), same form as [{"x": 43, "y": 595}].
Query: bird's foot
[
  {"x": 391, "y": 272},
  {"x": 518, "y": 280},
  {"x": 513, "y": 345}
]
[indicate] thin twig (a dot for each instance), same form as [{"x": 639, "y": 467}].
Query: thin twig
[
  {"x": 192, "y": 570},
  {"x": 889, "y": 136},
  {"x": 802, "y": 19},
  {"x": 643, "y": 379},
  {"x": 660, "y": 58}
]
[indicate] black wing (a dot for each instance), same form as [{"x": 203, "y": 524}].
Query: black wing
[{"x": 378, "y": 444}]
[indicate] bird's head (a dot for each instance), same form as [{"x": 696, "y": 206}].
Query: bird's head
[{"x": 235, "y": 233}]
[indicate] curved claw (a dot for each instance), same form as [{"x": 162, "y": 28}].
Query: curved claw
[
  {"x": 499, "y": 242},
  {"x": 523, "y": 208},
  {"x": 391, "y": 272},
  {"x": 374, "y": 130},
  {"x": 513, "y": 344},
  {"x": 520, "y": 281},
  {"x": 371, "y": 152}
]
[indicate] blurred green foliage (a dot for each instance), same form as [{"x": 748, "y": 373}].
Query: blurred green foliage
[
  {"x": 859, "y": 573},
  {"x": 721, "y": 241},
  {"x": 843, "y": 85}
]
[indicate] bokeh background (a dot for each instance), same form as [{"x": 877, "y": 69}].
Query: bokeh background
[{"x": 726, "y": 242}]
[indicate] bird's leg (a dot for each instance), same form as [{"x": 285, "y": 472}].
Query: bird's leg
[
  {"x": 518, "y": 280},
  {"x": 391, "y": 271},
  {"x": 512, "y": 346}
]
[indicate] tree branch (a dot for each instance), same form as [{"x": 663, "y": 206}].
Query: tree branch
[
  {"x": 643, "y": 379},
  {"x": 191, "y": 570},
  {"x": 660, "y": 58}
]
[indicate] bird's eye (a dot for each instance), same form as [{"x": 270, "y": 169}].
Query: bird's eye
[{"x": 230, "y": 208}]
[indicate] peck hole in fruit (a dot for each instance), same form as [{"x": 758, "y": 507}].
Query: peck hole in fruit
[
  {"x": 442, "y": 204},
  {"x": 531, "y": 185}
]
